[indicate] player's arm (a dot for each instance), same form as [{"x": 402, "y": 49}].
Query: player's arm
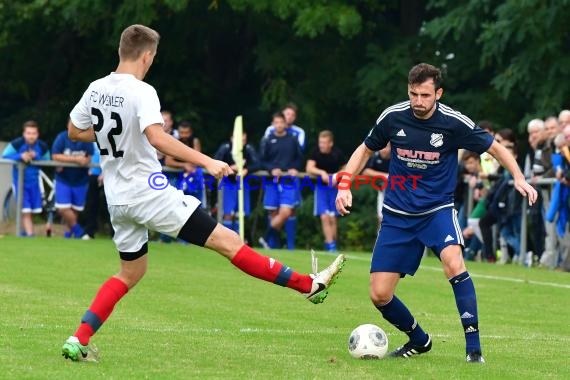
[
  {"x": 344, "y": 179},
  {"x": 77, "y": 134},
  {"x": 311, "y": 168},
  {"x": 170, "y": 146},
  {"x": 507, "y": 160}
]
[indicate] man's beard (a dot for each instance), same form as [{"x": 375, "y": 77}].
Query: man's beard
[
  {"x": 422, "y": 112},
  {"x": 187, "y": 142}
]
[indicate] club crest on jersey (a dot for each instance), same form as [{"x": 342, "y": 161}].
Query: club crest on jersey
[{"x": 436, "y": 139}]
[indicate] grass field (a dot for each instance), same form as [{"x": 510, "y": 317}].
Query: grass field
[{"x": 196, "y": 316}]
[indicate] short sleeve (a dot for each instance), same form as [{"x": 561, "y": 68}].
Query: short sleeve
[
  {"x": 148, "y": 112},
  {"x": 80, "y": 115},
  {"x": 474, "y": 138}
]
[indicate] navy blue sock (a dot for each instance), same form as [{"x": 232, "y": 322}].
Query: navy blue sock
[
  {"x": 291, "y": 231},
  {"x": 466, "y": 302},
  {"x": 398, "y": 314}
]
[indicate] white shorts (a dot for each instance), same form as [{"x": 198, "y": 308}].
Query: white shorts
[
  {"x": 166, "y": 213},
  {"x": 380, "y": 203}
]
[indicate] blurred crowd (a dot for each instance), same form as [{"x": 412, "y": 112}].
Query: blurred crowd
[{"x": 489, "y": 209}]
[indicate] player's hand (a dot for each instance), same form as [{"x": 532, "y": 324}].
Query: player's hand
[
  {"x": 526, "y": 190},
  {"x": 219, "y": 169},
  {"x": 276, "y": 173},
  {"x": 25, "y": 157},
  {"x": 343, "y": 202},
  {"x": 244, "y": 172}
]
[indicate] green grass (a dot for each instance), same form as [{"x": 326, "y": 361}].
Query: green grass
[{"x": 196, "y": 316}]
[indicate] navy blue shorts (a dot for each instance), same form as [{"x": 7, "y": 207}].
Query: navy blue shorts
[{"x": 400, "y": 245}]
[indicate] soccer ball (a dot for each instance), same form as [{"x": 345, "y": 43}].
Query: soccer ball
[{"x": 368, "y": 342}]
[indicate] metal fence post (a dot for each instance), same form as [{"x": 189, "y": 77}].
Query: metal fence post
[{"x": 20, "y": 198}]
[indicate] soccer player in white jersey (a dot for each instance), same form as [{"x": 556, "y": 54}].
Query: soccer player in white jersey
[
  {"x": 122, "y": 114},
  {"x": 425, "y": 136}
]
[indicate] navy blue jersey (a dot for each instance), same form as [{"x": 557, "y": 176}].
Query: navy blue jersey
[
  {"x": 251, "y": 161},
  {"x": 280, "y": 152},
  {"x": 426, "y": 150}
]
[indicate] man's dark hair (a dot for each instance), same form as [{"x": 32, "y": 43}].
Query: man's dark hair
[
  {"x": 185, "y": 124},
  {"x": 507, "y": 134},
  {"x": 424, "y": 71},
  {"x": 278, "y": 114},
  {"x": 30, "y": 124}
]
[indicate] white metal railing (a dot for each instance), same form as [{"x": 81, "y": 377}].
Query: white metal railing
[{"x": 545, "y": 185}]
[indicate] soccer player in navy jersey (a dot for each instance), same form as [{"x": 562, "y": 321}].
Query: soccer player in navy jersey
[
  {"x": 425, "y": 136},
  {"x": 280, "y": 155}
]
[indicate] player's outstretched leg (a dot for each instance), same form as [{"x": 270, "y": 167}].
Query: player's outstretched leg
[
  {"x": 201, "y": 229},
  {"x": 382, "y": 287},
  {"x": 466, "y": 302},
  {"x": 133, "y": 267}
]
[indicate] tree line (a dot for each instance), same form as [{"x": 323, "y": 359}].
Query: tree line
[{"x": 341, "y": 62}]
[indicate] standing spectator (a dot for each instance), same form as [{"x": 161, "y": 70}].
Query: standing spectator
[
  {"x": 186, "y": 135},
  {"x": 472, "y": 234},
  {"x": 379, "y": 165},
  {"x": 563, "y": 119},
  {"x": 281, "y": 156},
  {"x": 94, "y": 197},
  {"x": 168, "y": 127},
  {"x": 71, "y": 182},
  {"x": 27, "y": 148},
  {"x": 231, "y": 187},
  {"x": 324, "y": 162},
  {"x": 538, "y": 164},
  {"x": 290, "y": 114},
  {"x": 503, "y": 207},
  {"x": 552, "y": 129}
]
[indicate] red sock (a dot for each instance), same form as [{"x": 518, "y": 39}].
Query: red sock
[
  {"x": 268, "y": 269},
  {"x": 108, "y": 295}
]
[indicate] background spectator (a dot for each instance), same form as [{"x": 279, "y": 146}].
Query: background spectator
[
  {"x": 280, "y": 155},
  {"x": 27, "y": 148},
  {"x": 71, "y": 182},
  {"x": 186, "y": 135},
  {"x": 94, "y": 199},
  {"x": 230, "y": 191},
  {"x": 379, "y": 165},
  {"x": 324, "y": 162}
]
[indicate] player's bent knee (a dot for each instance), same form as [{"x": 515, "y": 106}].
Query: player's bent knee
[{"x": 380, "y": 296}]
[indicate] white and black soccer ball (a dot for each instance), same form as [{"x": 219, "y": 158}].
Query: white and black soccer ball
[{"x": 368, "y": 342}]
